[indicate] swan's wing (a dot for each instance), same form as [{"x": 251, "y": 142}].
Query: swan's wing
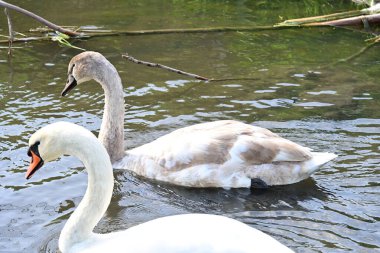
[
  {"x": 186, "y": 233},
  {"x": 218, "y": 143}
]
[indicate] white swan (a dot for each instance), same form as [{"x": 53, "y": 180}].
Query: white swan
[
  {"x": 195, "y": 233},
  {"x": 223, "y": 153}
]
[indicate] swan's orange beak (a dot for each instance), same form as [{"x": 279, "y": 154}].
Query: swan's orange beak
[
  {"x": 70, "y": 84},
  {"x": 35, "y": 164}
]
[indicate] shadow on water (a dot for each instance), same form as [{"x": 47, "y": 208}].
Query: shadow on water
[{"x": 221, "y": 201}]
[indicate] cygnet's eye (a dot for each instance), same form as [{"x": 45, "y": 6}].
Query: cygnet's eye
[{"x": 71, "y": 69}]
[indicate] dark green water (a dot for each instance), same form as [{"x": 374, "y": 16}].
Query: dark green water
[{"x": 336, "y": 108}]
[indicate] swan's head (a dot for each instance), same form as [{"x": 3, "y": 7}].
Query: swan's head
[
  {"x": 52, "y": 141},
  {"x": 84, "y": 67}
]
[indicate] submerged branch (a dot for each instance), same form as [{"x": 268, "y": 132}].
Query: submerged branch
[{"x": 357, "y": 54}]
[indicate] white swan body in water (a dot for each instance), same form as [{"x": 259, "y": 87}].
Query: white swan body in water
[
  {"x": 193, "y": 233},
  {"x": 224, "y": 153}
]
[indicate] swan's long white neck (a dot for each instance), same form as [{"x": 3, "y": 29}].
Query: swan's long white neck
[
  {"x": 112, "y": 129},
  {"x": 94, "y": 204}
]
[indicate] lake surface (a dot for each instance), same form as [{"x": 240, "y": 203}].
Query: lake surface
[{"x": 297, "y": 87}]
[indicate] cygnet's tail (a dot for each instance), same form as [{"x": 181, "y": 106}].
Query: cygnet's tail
[{"x": 318, "y": 160}]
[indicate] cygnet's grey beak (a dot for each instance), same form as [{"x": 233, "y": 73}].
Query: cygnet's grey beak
[{"x": 70, "y": 84}]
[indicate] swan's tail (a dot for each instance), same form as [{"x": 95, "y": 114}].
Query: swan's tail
[{"x": 318, "y": 160}]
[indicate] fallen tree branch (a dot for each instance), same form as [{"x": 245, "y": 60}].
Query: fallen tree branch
[
  {"x": 11, "y": 33},
  {"x": 38, "y": 18},
  {"x": 319, "y": 21}
]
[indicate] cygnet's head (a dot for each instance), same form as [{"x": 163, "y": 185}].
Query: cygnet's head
[
  {"x": 52, "y": 141},
  {"x": 84, "y": 67}
]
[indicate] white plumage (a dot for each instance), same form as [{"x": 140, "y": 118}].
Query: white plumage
[
  {"x": 192, "y": 233},
  {"x": 223, "y": 153}
]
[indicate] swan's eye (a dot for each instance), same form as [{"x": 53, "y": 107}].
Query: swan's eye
[{"x": 33, "y": 148}]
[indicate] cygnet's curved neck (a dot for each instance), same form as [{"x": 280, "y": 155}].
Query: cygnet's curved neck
[
  {"x": 112, "y": 129},
  {"x": 98, "y": 195}
]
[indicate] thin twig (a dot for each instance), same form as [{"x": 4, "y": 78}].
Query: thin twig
[
  {"x": 157, "y": 65},
  {"x": 38, "y": 18},
  {"x": 181, "y": 72},
  {"x": 10, "y": 29}
]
